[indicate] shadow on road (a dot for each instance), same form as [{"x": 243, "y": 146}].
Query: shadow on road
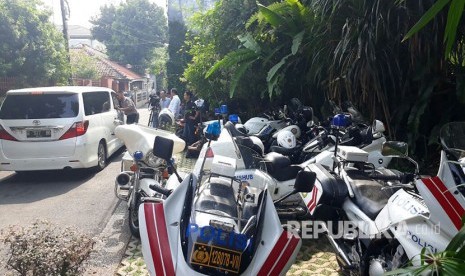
[{"x": 32, "y": 186}]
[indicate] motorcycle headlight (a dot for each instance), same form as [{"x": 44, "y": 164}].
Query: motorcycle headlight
[{"x": 153, "y": 161}]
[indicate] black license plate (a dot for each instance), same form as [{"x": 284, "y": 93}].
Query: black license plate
[
  {"x": 216, "y": 257},
  {"x": 38, "y": 133}
]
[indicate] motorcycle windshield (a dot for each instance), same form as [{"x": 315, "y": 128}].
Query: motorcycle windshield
[
  {"x": 452, "y": 137},
  {"x": 224, "y": 219}
]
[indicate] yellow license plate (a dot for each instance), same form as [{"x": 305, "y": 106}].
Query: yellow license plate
[{"x": 216, "y": 257}]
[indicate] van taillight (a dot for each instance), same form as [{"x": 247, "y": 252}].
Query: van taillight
[
  {"x": 4, "y": 135},
  {"x": 77, "y": 129}
]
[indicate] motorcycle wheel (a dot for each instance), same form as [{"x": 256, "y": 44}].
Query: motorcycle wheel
[{"x": 134, "y": 216}]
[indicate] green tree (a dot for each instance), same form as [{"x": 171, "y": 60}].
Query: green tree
[
  {"x": 131, "y": 31},
  {"x": 177, "y": 58},
  {"x": 83, "y": 66},
  {"x": 212, "y": 35},
  {"x": 31, "y": 48}
]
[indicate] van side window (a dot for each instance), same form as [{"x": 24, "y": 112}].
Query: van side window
[{"x": 96, "y": 102}]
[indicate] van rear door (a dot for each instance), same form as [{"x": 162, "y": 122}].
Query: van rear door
[{"x": 37, "y": 119}]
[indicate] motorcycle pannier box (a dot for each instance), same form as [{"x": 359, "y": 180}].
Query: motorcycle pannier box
[
  {"x": 334, "y": 188},
  {"x": 352, "y": 154}
]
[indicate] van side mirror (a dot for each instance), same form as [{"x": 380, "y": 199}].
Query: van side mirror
[
  {"x": 163, "y": 147},
  {"x": 304, "y": 182},
  {"x": 395, "y": 148}
]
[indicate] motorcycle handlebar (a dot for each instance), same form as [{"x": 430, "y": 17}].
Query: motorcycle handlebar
[{"x": 160, "y": 189}]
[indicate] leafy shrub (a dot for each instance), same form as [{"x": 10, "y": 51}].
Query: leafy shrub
[{"x": 46, "y": 249}]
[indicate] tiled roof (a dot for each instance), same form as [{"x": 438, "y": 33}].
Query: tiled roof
[{"x": 106, "y": 67}]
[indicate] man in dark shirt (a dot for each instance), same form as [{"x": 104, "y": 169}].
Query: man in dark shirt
[
  {"x": 191, "y": 116},
  {"x": 128, "y": 107}
]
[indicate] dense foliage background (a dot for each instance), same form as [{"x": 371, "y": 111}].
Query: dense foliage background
[
  {"x": 132, "y": 32},
  {"x": 32, "y": 50}
]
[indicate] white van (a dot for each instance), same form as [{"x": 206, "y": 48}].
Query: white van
[{"x": 65, "y": 127}]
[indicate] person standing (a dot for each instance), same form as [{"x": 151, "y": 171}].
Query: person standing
[
  {"x": 128, "y": 107},
  {"x": 191, "y": 116},
  {"x": 164, "y": 100},
  {"x": 175, "y": 103}
]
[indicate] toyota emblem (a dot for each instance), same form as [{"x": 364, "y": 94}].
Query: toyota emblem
[{"x": 36, "y": 122}]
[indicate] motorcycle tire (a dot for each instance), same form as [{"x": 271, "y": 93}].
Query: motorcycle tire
[{"x": 134, "y": 216}]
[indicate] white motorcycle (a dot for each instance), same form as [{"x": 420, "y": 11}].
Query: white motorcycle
[
  {"x": 165, "y": 118},
  {"x": 141, "y": 170},
  {"x": 215, "y": 223},
  {"x": 395, "y": 216}
]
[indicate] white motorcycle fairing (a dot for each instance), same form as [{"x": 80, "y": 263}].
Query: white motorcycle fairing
[
  {"x": 161, "y": 225},
  {"x": 407, "y": 218},
  {"x": 375, "y": 157},
  {"x": 263, "y": 126},
  {"x": 140, "y": 138}
]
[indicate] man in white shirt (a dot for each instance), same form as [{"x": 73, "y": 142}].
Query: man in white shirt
[{"x": 175, "y": 104}]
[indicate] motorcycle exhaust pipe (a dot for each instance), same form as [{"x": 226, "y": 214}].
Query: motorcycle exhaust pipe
[{"x": 341, "y": 255}]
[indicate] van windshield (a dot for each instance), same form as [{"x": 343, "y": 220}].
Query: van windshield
[{"x": 42, "y": 106}]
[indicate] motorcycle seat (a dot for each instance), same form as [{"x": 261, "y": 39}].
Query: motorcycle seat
[
  {"x": 217, "y": 196},
  {"x": 233, "y": 130},
  {"x": 368, "y": 193},
  {"x": 279, "y": 166}
]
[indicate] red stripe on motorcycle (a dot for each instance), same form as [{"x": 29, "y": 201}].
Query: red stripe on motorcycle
[
  {"x": 280, "y": 254},
  {"x": 274, "y": 255},
  {"x": 312, "y": 203},
  {"x": 281, "y": 263},
  {"x": 164, "y": 242},
  {"x": 152, "y": 235},
  {"x": 450, "y": 198},
  {"x": 450, "y": 205}
]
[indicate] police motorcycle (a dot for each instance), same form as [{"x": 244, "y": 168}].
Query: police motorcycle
[
  {"x": 393, "y": 216},
  {"x": 217, "y": 223},
  {"x": 166, "y": 118},
  {"x": 140, "y": 168},
  {"x": 290, "y": 139},
  {"x": 369, "y": 138}
]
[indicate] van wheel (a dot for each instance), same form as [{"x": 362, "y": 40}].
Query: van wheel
[{"x": 101, "y": 156}]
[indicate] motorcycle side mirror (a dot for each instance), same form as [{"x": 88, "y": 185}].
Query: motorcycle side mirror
[
  {"x": 304, "y": 182},
  {"x": 378, "y": 126},
  {"x": 395, "y": 148},
  {"x": 163, "y": 147}
]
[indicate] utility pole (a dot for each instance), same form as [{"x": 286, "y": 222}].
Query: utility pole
[{"x": 64, "y": 16}]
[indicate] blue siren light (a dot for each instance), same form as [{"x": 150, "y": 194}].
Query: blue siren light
[
  {"x": 217, "y": 111},
  {"x": 224, "y": 109},
  {"x": 233, "y": 118},
  {"x": 339, "y": 120},
  {"x": 214, "y": 129},
  {"x": 138, "y": 155}
]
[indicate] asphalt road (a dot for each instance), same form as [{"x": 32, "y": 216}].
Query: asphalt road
[{"x": 80, "y": 198}]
